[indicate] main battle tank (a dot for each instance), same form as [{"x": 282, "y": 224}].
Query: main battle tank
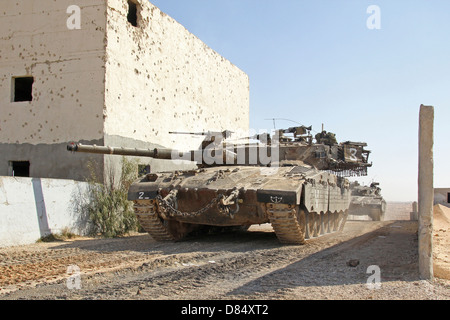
[
  {"x": 287, "y": 180},
  {"x": 367, "y": 201}
]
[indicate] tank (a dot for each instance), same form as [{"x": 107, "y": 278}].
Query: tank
[
  {"x": 291, "y": 180},
  {"x": 367, "y": 201}
]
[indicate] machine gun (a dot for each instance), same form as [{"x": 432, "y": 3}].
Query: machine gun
[
  {"x": 300, "y": 134},
  {"x": 215, "y": 137}
]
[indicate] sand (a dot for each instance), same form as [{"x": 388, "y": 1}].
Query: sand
[{"x": 441, "y": 241}]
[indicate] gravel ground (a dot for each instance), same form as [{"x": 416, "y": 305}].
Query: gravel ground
[{"x": 249, "y": 265}]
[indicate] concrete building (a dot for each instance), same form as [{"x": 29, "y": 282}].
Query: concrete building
[
  {"x": 442, "y": 196},
  {"x": 106, "y": 72}
]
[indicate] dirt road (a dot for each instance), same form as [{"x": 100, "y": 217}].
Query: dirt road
[{"x": 243, "y": 265}]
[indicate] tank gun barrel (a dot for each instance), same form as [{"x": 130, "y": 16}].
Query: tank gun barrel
[
  {"x": 151, "y": 153},
  {"x": 198, "y": 156}
]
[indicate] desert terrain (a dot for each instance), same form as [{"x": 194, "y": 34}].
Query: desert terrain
[{"x": 250, "y": 265}]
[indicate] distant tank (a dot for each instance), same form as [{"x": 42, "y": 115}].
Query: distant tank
[
  {"x": 367, "y": 201},
  {"x": 287, "y": 180}
]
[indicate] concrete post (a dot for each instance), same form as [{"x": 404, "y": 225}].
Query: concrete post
[
  {"x": 414, "y": 214},
  {"x": 426, "y": 128}
]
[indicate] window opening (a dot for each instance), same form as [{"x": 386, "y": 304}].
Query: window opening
[
  {"x": 23, "y": 89},
  {"x": 132, "y": 13},
  {"x": 20, "y": 168}
]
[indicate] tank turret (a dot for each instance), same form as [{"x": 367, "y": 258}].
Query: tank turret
[{"x": 345, "y": 159}]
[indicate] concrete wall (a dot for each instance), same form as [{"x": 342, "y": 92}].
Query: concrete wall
[
  {"x": 161, "y": 78},
  {"x": 108, "y": 82},
  {"x": 31, "y": 208},
  {"x": 441, "y": 196},
  {"x": 68, "y": 70}
]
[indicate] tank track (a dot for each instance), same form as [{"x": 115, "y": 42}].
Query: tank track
[
  {"x": 291, "y": 224},
  {"x": 147, "y": 215},
  {"x": 287, "y": 223},
  {"x": 294, "y": 226}
]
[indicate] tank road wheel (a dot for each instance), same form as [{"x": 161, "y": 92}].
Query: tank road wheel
[
  {"x": 326, "y": 222},
  {"x": 288, "y": 222},
  {"x": 159, "y": 229},
  {"x": 342, "y": 220},
  {"x": 330, "y": 222},
  {"x": 336, "y": 221},
  {"x": 311, "y": 225},
  {"x": 317, "y": 225},
  {"x": 323, "y": 222}
]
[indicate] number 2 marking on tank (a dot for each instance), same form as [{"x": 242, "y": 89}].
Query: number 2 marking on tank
[{"x": 141, "y": 196}]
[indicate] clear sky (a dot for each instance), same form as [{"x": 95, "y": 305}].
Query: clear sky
[{"x": 316, "y": 61}]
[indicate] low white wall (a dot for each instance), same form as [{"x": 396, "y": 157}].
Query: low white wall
[{"x": 31, "y": 208}]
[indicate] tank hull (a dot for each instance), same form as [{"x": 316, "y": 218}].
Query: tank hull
[
  {"x": 375, "y": 208},
  {"x": 300, "y": 202}
]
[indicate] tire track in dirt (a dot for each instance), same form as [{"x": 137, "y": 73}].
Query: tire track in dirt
[
  {"x": 217, "y": 264},
  {"x": 220, "y": 266}
]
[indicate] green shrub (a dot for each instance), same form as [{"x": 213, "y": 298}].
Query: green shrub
[{"x": 108, "y": 209}]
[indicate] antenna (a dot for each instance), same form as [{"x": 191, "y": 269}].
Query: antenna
[
  {"x": 274, "y": 126},
  {"x": 273, "y": 119}
]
